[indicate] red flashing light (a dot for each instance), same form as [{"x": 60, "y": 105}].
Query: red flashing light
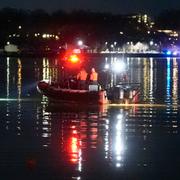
[{"x": 74, "y": 58}]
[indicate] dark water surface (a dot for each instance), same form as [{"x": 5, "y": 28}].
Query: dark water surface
[{"x": 43, "y": 141}]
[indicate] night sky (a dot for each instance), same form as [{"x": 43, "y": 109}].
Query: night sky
[{"x": 152, "y": 7}]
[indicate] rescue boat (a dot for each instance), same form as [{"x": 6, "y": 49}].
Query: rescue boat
[{"x": 57, "y": 94}]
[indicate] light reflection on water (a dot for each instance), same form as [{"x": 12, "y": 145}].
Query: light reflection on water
[
  {"x": 87, "y": 142},
  {"x": 158, "y": 77},
  {"x": 44, "y": 141}
]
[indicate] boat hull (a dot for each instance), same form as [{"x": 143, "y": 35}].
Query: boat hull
[{"x": 57, "y": 94}]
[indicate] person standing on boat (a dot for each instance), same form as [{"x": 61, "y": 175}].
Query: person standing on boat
[
  {"x": 82, "y": 77},
  {"x": 93, "y": 77}
]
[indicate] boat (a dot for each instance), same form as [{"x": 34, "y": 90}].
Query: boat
[
  {"x": 66, "y": 90},
  {"x": 124, "y": 93},
  {"x": 55, "y": 93}
]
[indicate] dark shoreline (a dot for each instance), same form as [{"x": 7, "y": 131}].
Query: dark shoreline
[
  {"x": 133, "y": 55},
  {"x": 88, "y": 55}
]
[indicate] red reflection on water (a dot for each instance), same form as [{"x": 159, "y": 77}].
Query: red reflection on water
[{"x": 74, "y": 145}]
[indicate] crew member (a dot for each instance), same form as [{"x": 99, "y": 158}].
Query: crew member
[
  {"x": 81, "y": 77},
  {"x": 93, "y": 77}
]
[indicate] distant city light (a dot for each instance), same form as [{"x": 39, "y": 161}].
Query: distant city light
[
  {"x": 44, "y": 36},
  {"x": 47, "y": 36},
  {"x": 57, "y": 37},
  {"x": 168, "y": 52},
  {"x": 151, "y": 43},
  {"x": 175, "y": 53}
]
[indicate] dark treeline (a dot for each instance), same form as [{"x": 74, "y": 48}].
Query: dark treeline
[{"x": 93, "y": 27}]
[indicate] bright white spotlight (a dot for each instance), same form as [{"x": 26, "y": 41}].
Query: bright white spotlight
[
  {"x": 80, "y": 43},
  {"x": 119, "y": 66}
]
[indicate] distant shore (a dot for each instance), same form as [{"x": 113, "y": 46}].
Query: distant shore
[
  {"x": 132, "y": 55},
  {"x": 54, "y": 54}
]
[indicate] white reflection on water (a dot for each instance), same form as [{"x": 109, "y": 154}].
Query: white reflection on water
[
  {"x": 119, "y": 141},
  {"x": 168, "y": 81},
  {"x": 151, "y": 92},
  {"x": 7, "y": 77},
  {"x": 80, "y": 159},
  {"x": 145, "y": 80},
  {"x": 106, "y": 139},
  {"x": 175, "y": 82},
  {"x": 46, "y": 123}
]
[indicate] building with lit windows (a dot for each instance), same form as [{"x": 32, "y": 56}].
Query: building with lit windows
[{"x": 142, "y": 19}]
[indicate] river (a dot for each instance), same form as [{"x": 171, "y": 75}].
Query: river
[{"x": 40, "y": 141}]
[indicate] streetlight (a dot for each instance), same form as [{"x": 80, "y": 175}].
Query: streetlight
[
  {"x": 80, "y": 43},
  {"x": 151, "y": 43}
]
